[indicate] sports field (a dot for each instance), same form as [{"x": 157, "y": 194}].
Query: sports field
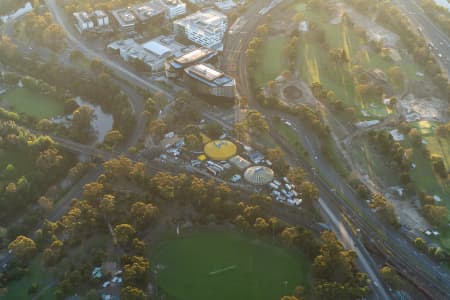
[
  {"x": 227, "y": 265},
  {"x": 22, "y": 100}
]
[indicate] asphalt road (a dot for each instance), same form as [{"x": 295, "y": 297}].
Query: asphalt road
[
  {"x": 397, "y": 250},
  {"x": 429, "y": 30}
]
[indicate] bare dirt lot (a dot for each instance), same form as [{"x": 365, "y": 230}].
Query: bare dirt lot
[{"x": 415, "y": 109}]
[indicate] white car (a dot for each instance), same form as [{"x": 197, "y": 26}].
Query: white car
[
  {"x": 276, "y": 182},
  {"x": 235, "y": 178}
]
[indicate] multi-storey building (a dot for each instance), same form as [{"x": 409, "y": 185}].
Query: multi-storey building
[
  {"x": 125, "y": 20},
  {"x": 95, "y": 21},
  {"x": 206, "y": 28},
  {"x": 173, "y": 8},
  {"x": 203, "y": 79},
  {"x": 175, "y": 66}
]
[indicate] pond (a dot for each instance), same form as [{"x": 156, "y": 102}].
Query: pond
[{"x": 101, "y": 123}]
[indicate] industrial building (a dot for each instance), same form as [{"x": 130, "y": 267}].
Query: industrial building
[
  {"x": 153, "y": 54},
  {"x": 203, "y": 79},
  {"x": 90, "y": 21},
  {"x": 205, "y": 27},
  {"x": 173, "y": 8},
  {"x": 125, "y": 20},
  {"x": 175, "y": 67}
]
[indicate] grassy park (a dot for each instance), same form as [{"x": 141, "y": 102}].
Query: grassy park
[
  {"x": 22, "y": 100},
  {"x": 316, "y": 65},
  {"x": 272, "y": 62},
  {"x": 227, "y": 265},
  {"x": 36, "y": 274},
  {"x": 291, "y": 137},
  {"x": 424, "y": 176},
  {"x": 373, "y": 162}
]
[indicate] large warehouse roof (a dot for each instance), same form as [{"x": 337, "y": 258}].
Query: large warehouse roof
[
  {"x": 156, "y": 48},
  {"x": 259, "y": 175}
]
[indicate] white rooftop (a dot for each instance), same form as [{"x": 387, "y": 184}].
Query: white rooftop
[
  {"x": 156, "y": 48},
  {"x": 206, "y": 72},
  {"x": 206, "y": 20}
]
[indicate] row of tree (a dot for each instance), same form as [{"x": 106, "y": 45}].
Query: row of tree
[{"x": 47, "y": 164}]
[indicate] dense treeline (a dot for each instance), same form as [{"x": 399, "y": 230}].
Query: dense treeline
[
  {"x": 47, "y": 164},
  {"x": 42, "y": 30},
  {"x": 129, "y": 216}
]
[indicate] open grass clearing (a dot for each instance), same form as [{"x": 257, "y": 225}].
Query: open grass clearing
[
  {"x": 373, "y": 163},
  {"x": 22, "y": 100},
  {"x": 36, "y": 274},
  {"x": 272, "y": 62},
  {"x": 445, "y": 240},
  {"x": 291, "y": 137},
  {"x": 227, "y": 265}
]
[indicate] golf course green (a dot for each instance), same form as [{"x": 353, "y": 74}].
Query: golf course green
[{"x": 226, "y": 265}]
